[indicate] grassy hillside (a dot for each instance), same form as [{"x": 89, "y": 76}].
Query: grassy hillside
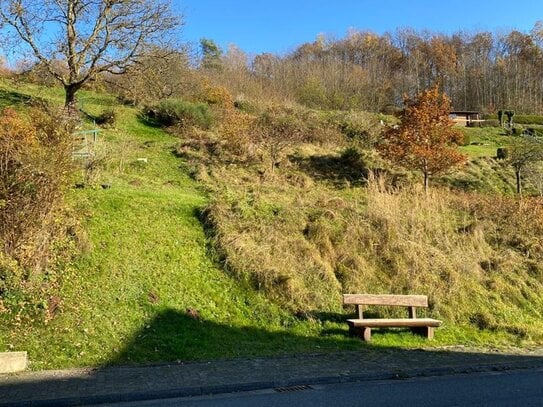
[
  {"x": 195, "y": 257},
  {"x": 147, "y": 257},
  {"x": 305, "y": 240}
]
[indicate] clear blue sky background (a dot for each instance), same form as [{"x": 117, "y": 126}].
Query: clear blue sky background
[{"x": 279, "y": 25}]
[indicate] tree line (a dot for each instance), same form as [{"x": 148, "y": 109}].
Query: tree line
[
  {"x": 481, "y": 71},
  {"x": 134, "y": 45}
]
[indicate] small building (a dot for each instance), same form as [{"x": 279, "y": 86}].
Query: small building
[{"x": 465, "y": 117}]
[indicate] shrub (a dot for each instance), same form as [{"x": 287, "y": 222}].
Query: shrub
[
  {"x": 312, "y": 126},
  {"x": 312, "y": 94},
  {"x": 107, "y": 118},
  {"x": 171, "y": 112},
  {"x": 519, "y": 118},
  {"x": 276, "y": 130},
  {"x": 245, "y": 105},
  {"x": 529, "y": 119},
  {"x": 236, "y": 131},
  {"x": 36, "y": 163},
  {"x": 490, "y": 123},
  {"x": 217, "y": 95},
  {"x": 359, "y": 127},
  {"x": 502, "y": 153},
  {"x": 354, "y": 159}
]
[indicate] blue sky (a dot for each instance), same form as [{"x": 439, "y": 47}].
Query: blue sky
[{"x": 279, "y": 25}]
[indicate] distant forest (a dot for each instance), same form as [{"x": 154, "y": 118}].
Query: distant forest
[{"x": 483, "y": 71}]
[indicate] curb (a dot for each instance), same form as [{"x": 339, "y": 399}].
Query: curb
[{"x": 262, "y": 385}]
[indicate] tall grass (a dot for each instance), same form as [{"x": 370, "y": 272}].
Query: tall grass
[{"x": 306, "y": 243}]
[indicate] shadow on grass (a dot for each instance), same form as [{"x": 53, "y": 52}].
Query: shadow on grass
[
  {"x": 12, "y": 98},
  {"x": 176, "y": 337},
  {"x": 332, "y": 168},
  {"x": 149, "y": 121}
]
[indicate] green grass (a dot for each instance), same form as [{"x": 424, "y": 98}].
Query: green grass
[
  {"x": 126, "y": 299},
  {"x": 484, "y": 141},
  {"x": 149, "y": 261}
]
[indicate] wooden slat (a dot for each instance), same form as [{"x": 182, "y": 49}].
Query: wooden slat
[
  {"x": 376, "y": 323},
  {"x": 360, "y": 310},
  {"x": 386, "y": 299}
]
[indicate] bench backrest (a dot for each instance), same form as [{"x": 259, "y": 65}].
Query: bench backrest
[{"x": 386, "y": 299}]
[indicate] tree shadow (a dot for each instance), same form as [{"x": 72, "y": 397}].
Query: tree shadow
[
  {"x": 174, "y": 335},
  {"x": 332, "y": 168},
  {"x": 12, "y": 98},
  {"x": 180, "y": 338},
  {"x": 149, "y": 121}
]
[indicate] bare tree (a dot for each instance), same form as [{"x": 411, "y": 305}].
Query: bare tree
[{"x": 89, "y": 36}]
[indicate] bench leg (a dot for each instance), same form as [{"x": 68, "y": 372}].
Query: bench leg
[
  {"x": 362, "y": 332},
  {"x": 426, "y": 331},
  {"x": 365, "y": 334}
]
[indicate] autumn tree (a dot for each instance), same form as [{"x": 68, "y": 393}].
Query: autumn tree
[
  {"x": 90, "y": 37},
  {"x": 426, "y": 139}
]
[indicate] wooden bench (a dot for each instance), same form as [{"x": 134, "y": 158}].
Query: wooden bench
[{"x": 362, "y": 326}]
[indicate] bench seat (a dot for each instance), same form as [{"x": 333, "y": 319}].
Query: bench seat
[{"x": 389, "y": 323}]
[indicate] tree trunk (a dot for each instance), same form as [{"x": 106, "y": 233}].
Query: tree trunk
[
  {"x": 70, "y": 102},
  {"x": 519, "y": 181},
  {"x": 426, "y": 178}
]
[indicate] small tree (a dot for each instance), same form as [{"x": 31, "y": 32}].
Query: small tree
[
  {"x": 89, "y": 37},
  {"x": 425, "y": 140},
  {"x": 524, "y": 151},
  {"x": 276, "y": 131},
  {"x": 211, "y": 55}
]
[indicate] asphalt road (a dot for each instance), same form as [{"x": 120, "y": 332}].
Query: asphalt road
[{"x": 512, "y": 388}]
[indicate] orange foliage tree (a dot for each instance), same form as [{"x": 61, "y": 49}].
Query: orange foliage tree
[{"x": 425, "y": 140}]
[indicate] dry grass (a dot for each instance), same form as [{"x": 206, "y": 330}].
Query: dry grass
[{"x": 304, "y": 242}]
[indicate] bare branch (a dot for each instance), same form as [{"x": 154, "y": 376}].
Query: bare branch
[{"x": 94, "y": 35}]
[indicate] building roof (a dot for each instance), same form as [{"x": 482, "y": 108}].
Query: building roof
[{"x": 464, "y": 112}]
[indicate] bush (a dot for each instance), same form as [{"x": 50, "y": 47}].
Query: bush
[
  {"x": 359, "y": 127},
  {"x": 276, "y": 130},
  {"x": 528, "y": 119},
  {"x": 236, "y": 132},
  {"x": 217, "y": 95},
  {"x": 354, "y": 159},
  {"x": 502, "y": 153},
  {"x": 171, "y": 112},
  {"x": 312, "y": 94},
  {"x": 245, "y": 105},
  {"x": 519, "y": 119},
  {"x": 107, "y": 118},
  {"x": 311, "y": 126},
  {"x": 36, "y": 163},
  {"x": 490, "y": 123}
]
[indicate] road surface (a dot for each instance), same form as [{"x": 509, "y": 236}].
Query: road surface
[{"x": 511, "y": 388}]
